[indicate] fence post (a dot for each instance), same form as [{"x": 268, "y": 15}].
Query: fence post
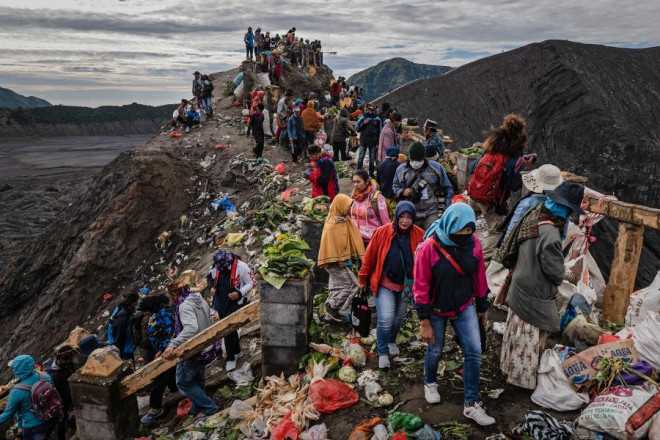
[{"x": 627, "y": 251}]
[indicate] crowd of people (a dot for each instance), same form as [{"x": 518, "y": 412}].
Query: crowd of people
[
  {"x": 188, "y": 112},
  {"x": 301, "y": 52},
  {"x": 427, "y": 254}
]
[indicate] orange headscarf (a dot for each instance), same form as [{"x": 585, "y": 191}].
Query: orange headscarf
[{"x": 341, "y": 239}]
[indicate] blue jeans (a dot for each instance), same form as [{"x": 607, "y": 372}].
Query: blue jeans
[
  {"x": 40, "y": 432},
  {"x": 191, "y": 381},
  {"x": 391, "y": 311},
  {"x": 207, "y": 104},
  {"x": 466, "y": 326},
  {"x": 362, "y": 151}
]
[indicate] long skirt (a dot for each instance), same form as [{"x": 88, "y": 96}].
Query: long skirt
[
  {"x": 342, "y": 287},
  {"x": 522, "y": 347}
]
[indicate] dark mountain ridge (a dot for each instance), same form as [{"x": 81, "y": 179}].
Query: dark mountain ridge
[
  {"x": 390, "y": 74},
  {"x": 592, "y": 110},
  {"x": 11, "y": 99}
]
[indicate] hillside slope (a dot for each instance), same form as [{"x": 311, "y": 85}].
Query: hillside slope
[
  {"x": 592, "y": 110},
  {"x": 390, "y": 74},
  {"x": 11, "y": 99}
]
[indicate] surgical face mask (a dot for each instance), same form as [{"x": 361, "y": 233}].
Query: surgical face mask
[{"x": 416, "y": 164}]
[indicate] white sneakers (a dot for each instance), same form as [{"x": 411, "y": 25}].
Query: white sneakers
[
  {"x": 478, "y": 414},
  {"x": 431, "y": 393},
  {"x": 394, "y": 350},
  {"x": 383, "y": 361},
  {"x": 232, "y": 364}
]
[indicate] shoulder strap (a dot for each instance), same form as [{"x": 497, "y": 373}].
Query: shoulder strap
[
  {"x": 23, "y": 387},
  {"x": 374, "y": 206},
  {"x": 448, "y": 257}
]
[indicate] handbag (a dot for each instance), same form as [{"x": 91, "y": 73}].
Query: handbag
[
  {"x": 361, "y": 314},
  {"x": 407, "y": 292}
]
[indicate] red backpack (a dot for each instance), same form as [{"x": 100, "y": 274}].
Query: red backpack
[
  {"x": 485, "y": 184},
  {"x": 45, "y": 402}
]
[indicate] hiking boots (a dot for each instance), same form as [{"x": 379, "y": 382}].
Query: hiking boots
[
  {"x": 333, "y": 314},
  {"x": 383, "y": 361},
  {"x": 394, "y": 350},
  {"x": 478, "y": 414},
  {"x": 431, "y": 393}
]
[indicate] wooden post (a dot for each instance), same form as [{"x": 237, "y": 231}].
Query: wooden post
[
  {"x": 627, "y": 250},
  {"x": 145, "y": 375}
]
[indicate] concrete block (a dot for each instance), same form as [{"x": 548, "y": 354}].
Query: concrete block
[
  {"x": 282, "y": 356},
  {"x": 284, "y": 336},
  {"x": 294, "y": 291},
  {"x": 284, "y": 314}
]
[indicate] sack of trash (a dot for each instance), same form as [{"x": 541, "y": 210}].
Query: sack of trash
[
  {"x": 553, "y": 389},
  {"x": 645, "y": 338},
  {"x": 610, "y": 411},
  {"x": 579, "y": 367},
  {"x": 642, "y": 302}
]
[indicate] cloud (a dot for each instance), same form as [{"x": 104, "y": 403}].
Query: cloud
[{"x": 148, "y": 45}]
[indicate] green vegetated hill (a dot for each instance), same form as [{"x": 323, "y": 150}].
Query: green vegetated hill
[
  {"x": 11, "y": 99},
  {"x": 63, "y": 120},
  {"x": 390, "y": 74}
]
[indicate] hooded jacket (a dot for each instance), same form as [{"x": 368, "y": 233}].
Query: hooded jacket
[
  {"x": 324, "y": 178},
  {"x": 18, "y": 403},
  {"x": 341, "y": 128},
  {"x": 310, "y": 118},
  {"x": 383, "y": 238},
  {"x": 387, "y": 139},
  {"x": 194, "y": 316}
]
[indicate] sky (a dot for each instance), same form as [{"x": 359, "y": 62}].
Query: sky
[{"x": 113, "y": 52}]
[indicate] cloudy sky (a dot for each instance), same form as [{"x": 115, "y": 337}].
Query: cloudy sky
[{"x": 95, "y": 52}]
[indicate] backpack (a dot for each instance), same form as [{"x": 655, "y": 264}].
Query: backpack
[
  {"x": 208, "y": 89},
  {"x": 374, "y": 206},
  {"x": 45, "y": 402},
  {"x": 485, "y": 186}
]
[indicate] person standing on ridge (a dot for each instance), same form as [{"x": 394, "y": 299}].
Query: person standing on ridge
[
  {"x": 425, "y": 184},
  {"x": 207, "y": 96},
  {"x": 369, "y": 126},
  {"x": 257, "y": 128},
  {"x": 258, "y": 43},
  {"x": 248, "y": 39},
  {"x": 197, "y": 88}
]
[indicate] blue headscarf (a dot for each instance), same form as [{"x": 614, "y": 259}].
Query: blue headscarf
[
  {"x": 455, "y": 218},
  {"x": 557, "y": 209}
]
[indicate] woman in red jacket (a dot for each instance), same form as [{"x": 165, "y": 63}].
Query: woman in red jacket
[{"x": 387, "y": 263}]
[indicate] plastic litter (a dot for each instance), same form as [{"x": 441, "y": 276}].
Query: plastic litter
[
  {"x": 365, "y": 429},
  {"x": 399, "y": 436},
  {"x": 380, "y": 432},
  {"x": 280, "y": 168},
  {"x": 240, "y": 410},
  {"x": 354, "y": 352},
  {"x": 399, "y": 421},
  {"x": 553, "y": 389},
  {"x": 184, "y": 408},
  {"x": 234, "y": 238},
  {"x": 329, "y": 395},
  {"x": 542, "y": 425},
  {"x": 371, "y": 390},
  {"x": 316, "y": 432},
  {"x": 643, "y": 301},
  {"x": 366, "y": 377},
  {"x": 174, "y": 134},
  {"x": 242, "y": 376},
  {"x": 645, "y": 338},
  {"x": 285, "y": 429},
  {"x": 427, "y": 433},
  {"x": 224, "y": 203}
]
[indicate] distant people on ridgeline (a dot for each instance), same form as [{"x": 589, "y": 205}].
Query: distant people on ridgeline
[
  {"x": 198, "y": 88},
  {"x": 496, "y": 174},
  {"x": 369, "y": 126},
  {"x": 425, "y": 184},
  {"x": 258, "y": 42},
  {"x": 207, "y": 96},
  {"x": 248, "y": 39}
]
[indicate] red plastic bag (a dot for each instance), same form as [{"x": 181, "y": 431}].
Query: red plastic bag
[
  {"x": 329, "y": 395},
  {"x": 280, "y": 168},
  {"x": 107, "y": 297},
  {"x": 184, "y": 408},
  {"x": 458, "y": 198},
  {"x": 606, "y": 338},
  {"x": 224, "y": 145},
  {"x": 399, "y": 436},
  {"x": 286, "y": 429},
  {"x": 174, "y": 134}
]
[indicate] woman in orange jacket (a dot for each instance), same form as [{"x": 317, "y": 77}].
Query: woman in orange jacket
[
  {"x": 388, "y": 267},
  {"x": 311, "y": 123}
]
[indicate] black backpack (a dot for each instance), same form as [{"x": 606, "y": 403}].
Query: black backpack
[
  {"x": 208, "y": 89},
  {"x": 361, "y": 314}
]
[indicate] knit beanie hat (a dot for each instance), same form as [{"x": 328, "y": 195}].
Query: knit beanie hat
[
  {"x": 392, "y": 152},
  {"x": 417, "y": 151}
]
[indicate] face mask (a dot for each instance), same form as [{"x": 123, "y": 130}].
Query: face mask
[
  {"x": 460, "y": 239},
  {"x": 416, "y": 164}
]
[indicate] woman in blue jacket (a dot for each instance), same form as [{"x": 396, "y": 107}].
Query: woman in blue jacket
[{"x": 18, "y": 405}]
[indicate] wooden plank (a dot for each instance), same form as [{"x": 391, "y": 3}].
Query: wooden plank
[
  {"x": 626, "y": 212},
  {"x": 627, "y": 251},
  {"x": 145, "y": 375}
]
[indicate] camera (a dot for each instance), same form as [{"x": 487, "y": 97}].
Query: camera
[{"x": 530, "y": 157}]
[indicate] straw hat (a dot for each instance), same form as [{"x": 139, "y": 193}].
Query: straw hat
[{"x": 546, "y": 177}]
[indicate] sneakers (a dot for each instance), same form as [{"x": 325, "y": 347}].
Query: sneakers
[
  {"x": 383, "y": 361},
  {"x": 478, "y": 414},
  {"x": 232, "y": 364},
  {"x": 333, "y": 313},
  {"x": 431, "y": 393},
  {"x": 394, "y": 350},
  {"x": 151, "y": 416}
]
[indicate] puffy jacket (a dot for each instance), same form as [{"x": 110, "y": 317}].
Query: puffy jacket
[
  {"x": 439, "y": 288},
  {"x": 160, "y": 329},
  {"x": 324, "y": 178},
  {"x": 248, "y": 39},
  {"x": 364, "y": 217},
  {"x": 194, "y": 316},
  {"x": 18, "y": 404},
  {"x": 294, "y": 128},
  {"x": 310, "y": 118},
  {"x": 119, "y": 332},
  {"x": 341, "y": 128},
  {"x": 369, "y": 127},
  {"x": 406, "y": 176},
  {"x": 240, "y": 279},
  {"x": 374, "y": 258}
]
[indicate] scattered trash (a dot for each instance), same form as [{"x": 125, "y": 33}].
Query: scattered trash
[
  {"x": 366, "y": 377},
  {"x": 327, "y": 349},
  {"x": 499, "y": 327},
  {"x": 240, "y": 410},
  {"x": 285, "y": 429},
  {"x": 243, "y": 376},
  {"x": 174, "y": 134},
  {"x": 610, "y": 411},
  {"x": 399, "y": 421},
  {"x": 224, "y": 203},
  {"x": 227, "y": 145},
  {"x": 371, "y": 390},
  {"x": 233, "y": 238},
  {"x": 365, "y": 429},
  {"x": 495, "y": 394},
  {"x": 552, "y": 387},
  {"x": 380, "y": 431},
  {"x": 579, "y": 370},
  {"x": 163, "y": 237},
  {"x": 354, "y": 352},
  {"x": 645, "y": 338},
  {"x": 316, "y": 432},
  {"x": 329, "y": 395},
  {"x": 280, "y": 168},
  {"x": 347, "y": 374},
  {"x": 107, "y": 297},
  {"x": 184, "y": 408},
  {"x": 427, "y": 433}
]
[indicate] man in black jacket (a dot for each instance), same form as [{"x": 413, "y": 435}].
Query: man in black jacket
[
  {"x": 60, "y": 370},
  {"x": 257, "y": 128}
]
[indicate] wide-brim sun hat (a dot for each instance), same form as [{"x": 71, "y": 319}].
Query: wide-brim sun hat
[
  {"x": 545, "y": 178},
  {"x": 569, "y": 195}
]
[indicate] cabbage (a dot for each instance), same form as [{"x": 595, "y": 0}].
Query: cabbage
[
  {"x": 385, "y": 399},
  {"x": 347, "y": 374}
]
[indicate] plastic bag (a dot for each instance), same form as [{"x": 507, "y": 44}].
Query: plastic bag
[
  {"x": 610, "y": 411},
  {"x": 364, "y": 430},
  {"x": 285, "y": 429},
  {"x": 184, "y": 408},
  {"x": 280, "y": 168},
  {"x": 239, "y": 410},
  {"x": 643, "y": 301},
  {"x": 316, "y": 432},
  {"x": 380, "y": 432},
  {"x": 399, "y": 436},
  {"x": 242, "y": 376},
  {"x": 645, "y": 338},
  {"x": 371, "y": 390},
  {"x": 354, "y": 352},
  {"x": 329, "y": 395},
  {"x": 553, "y": 389},
  {"x": 407, "y": 422},
  {"x": 225, "y": 203},
  {"x": 428, "y": 433}
]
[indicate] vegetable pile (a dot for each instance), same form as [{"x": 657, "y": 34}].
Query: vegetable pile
[
  {"x": 285, "y": 259},
  {"x": 317, "y": 208},
  {"x": 275, "y": 213},
  {"x": 471, "y": 151}
]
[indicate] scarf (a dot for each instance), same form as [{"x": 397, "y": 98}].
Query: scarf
[
  {"x": 526, "y": 229},
  {"x": 361, "y": 196},
  {"x": 455, "y": 218},
  {"x": 185, "y": 293},
  {"x": 341, "y": 239}
]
